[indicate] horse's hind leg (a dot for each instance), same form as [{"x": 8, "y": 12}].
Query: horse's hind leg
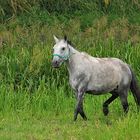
[
  {"x": 107, "y": 102},
  {"x": 123, "y": 97}
]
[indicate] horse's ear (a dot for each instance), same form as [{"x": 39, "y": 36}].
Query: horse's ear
[
  {"x": 65, "y": 37},
  {"x": 55, "y": 39}
]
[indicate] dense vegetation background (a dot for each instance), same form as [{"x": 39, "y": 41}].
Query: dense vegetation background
[{"x": 36, "y": 101}]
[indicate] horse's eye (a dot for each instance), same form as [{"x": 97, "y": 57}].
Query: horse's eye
[{"x": 63, "y": 48}]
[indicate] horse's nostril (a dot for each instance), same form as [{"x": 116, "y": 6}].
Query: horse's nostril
[{"x": 54, "y": 63}]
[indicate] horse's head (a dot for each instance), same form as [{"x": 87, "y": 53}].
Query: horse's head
[{"x": 61, "y": 51}]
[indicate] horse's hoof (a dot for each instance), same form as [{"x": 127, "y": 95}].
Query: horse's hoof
[
  {"x": 85, "y": 118},
  {"x": 75, "y": 118},
  {"x": 105, "y": 111}
]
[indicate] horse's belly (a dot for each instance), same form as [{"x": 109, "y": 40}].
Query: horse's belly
[
  {"x": 98, "y": 91},
  {"x": 102, "y": 86}
]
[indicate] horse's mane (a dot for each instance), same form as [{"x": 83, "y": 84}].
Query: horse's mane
[{"x": 70, "y": 43}]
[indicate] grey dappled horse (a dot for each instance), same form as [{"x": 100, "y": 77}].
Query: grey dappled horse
[{"x": 95, "y": 76}]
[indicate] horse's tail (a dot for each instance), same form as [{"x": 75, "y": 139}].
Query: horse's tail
[{"x": 135, "y": 88}]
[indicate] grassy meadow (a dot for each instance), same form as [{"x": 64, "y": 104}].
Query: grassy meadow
[{"x": 36, "y": 101}]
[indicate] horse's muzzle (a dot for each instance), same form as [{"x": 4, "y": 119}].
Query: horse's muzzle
[{"x": 55, "y": 64}]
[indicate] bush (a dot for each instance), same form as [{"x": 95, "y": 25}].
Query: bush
[{"x": 14, "y": 7}]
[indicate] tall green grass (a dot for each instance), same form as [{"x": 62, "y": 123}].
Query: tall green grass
[
  {"x": 29, "y": 82},
  {"x": 36, "y": 101},
  {"x": 26, "y": 53},
  {"x": 9, "y": 8}
]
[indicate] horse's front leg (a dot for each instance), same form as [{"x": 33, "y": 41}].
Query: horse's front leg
[{"x": 79, "y": 106}]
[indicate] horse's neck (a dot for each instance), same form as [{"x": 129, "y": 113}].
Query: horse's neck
[
  {"x": 72, "y": 50},
  {"x": 70, "y": 63}
]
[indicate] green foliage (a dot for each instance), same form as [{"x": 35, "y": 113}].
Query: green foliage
[
  {"x": 26, "y": 52},
  {"x": 10, "y": 8},
  {"x": 36, "y": 101},
  {"x": 63, "y": 6}
]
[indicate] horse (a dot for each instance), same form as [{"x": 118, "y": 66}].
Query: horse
[{"x": 96, "y": 76}]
